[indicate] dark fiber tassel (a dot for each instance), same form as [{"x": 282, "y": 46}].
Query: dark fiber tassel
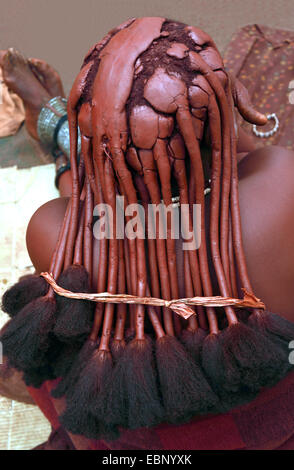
[
  {"x": 212, "y": 360},
  {"x": 25, "y": 338},
  {"x": 184, "y": 389},
  {"x": 22, "y": 293},
  {"x": 214, "y": 369},
  {"x": 193, "y": 341},
  {"x": 129, "y": 335},
  {"x": 66, "y": 385},
  {"x": 57, "y": 363},
  {"x": 36, "y": 377},
  {"x": 280, "y": 330},
  {"x": 144, "y": 408},
  {"x": 74, "y": 317},
  {"x": 78, "y": 417},
  {"x": 132, "y": 399},
  {"x": 238, "y": 362},
  {"x": 252, "y": 356},
  {"x": 117, "y": 347},
  {"x": 65, "y": 358}
]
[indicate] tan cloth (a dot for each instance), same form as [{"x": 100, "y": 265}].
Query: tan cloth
[{"x": 12, "y": 112}]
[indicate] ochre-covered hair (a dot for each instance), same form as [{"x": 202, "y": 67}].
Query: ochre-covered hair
[{"x": 142, "y": 100}]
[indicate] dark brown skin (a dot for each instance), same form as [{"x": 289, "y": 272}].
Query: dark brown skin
[{"x": 268, "y": 225}]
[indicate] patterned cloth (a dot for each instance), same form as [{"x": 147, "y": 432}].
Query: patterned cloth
[{"x": 263, "y": 59}]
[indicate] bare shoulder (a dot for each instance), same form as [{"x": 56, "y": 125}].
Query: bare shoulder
[
  {"x": 43, "y": 230},
  {"x": 266, "y": 196},
  {"x": 267, "y": 158}
]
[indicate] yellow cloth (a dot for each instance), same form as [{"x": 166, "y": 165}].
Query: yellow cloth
[{"x": 12, "y": 112}]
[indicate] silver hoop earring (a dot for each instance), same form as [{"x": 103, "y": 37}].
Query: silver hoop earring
[{"x": 272, "y": 116}]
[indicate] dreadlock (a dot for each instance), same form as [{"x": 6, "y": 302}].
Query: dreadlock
[{"x": 146, "y": 98}]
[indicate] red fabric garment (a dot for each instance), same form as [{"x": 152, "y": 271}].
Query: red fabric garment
[
  {"x": 58, "y": 440},
  {"x": 44, "y": 402},
  {"x": 265, "y": 423}
]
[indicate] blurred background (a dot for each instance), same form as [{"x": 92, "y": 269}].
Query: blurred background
[{"x": 62, "y": 31}]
